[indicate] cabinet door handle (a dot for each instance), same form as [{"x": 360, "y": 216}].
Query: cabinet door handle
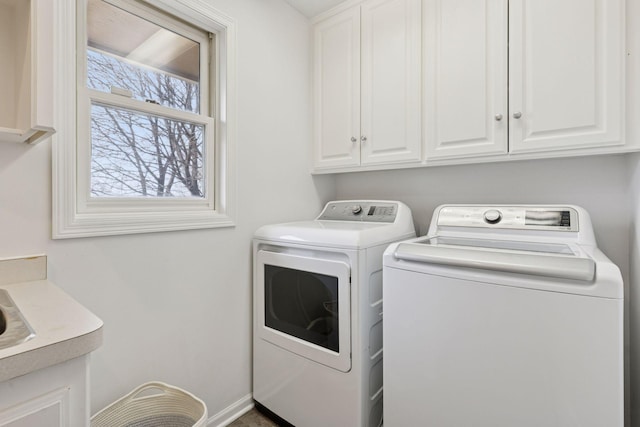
[
  {"x": 498, "y": 117},
  {"x": 363, "y": 138},
  {"x": 517, "y": 115},
  {"x": 353, "y": 139}
]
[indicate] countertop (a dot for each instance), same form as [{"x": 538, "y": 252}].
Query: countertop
[{"x": 64, "y": 329}]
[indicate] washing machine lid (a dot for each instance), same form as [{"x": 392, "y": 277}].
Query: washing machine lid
[
  {"x": 353, "y": 224},
  {"x": 540, "y": 240},
  {"x": 564, "y": 261},
  {"x": 544, "y": 247}
]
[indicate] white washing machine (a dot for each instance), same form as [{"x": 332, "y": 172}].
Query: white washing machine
[
  {"x": 503, "y": 316},
  {"x": 317, "y": 347}
]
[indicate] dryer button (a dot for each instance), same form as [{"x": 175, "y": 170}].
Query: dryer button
[{"x": 492, "y": 216}]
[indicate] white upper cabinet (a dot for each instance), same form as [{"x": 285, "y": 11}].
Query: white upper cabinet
[
  {"x": 405, "y": 83},
  {"x": 366, "y": 85},
  {"x": 337, "y": 90},
  {"x": 390, "y": 123},
  {"x": 565, "y": 74},
  {"x": 465, "y": 78},
  {"x": 26, "y": 83}
]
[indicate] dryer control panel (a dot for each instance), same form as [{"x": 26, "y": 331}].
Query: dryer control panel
[
  {"x": 551, "y": 218},
  {"x": 358, "y": 210}
]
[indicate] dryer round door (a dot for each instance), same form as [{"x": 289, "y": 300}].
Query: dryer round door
[{"x": 303, "y": 305}]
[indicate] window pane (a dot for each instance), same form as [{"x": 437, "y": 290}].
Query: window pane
[
  {"x": 141, "y": 155},
  {"x": 134, "y": 57}
]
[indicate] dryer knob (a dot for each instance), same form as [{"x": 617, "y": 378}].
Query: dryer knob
[
  {"x": 357, "y": 209},
  {"x": 493, "y": 216}
]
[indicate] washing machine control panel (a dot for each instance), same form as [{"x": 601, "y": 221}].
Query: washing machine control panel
[
  {"x": 361, "y": 211},
  {"x": 556, "y": 218}
]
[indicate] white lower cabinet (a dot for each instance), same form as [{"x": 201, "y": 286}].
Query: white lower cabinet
[
  {"x": 56, "y": 396},
  {"x": 366, "y": 71}
]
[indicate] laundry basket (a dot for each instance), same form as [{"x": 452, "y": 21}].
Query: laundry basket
[{"x": 153, "y": 404}]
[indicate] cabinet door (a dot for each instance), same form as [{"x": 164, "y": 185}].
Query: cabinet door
[
  {"x": 465, "y": 80},
  {"x": 26, "y": 86},
  {"x": 337, "y": 90},
  {"x": 565, "y": 74},
  {"x": 56, "y": 396},
  {"x": 391, "y": 38},
  {"x": 49, "y": 410}
]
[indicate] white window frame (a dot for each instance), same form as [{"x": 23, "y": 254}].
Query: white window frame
[{"x": 75, "y": 213}]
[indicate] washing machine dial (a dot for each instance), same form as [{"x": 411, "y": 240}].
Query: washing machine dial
[
  {"x": 493, "y": 216},
  {"x": 356, "y": 210}
]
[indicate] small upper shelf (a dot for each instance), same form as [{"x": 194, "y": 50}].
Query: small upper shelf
[{"x": 26, "y": 86}]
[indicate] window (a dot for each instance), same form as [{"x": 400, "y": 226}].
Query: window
[{"x": 148, "y": 143}]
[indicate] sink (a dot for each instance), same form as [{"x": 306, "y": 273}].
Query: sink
[{"x": 14, "y": 329}]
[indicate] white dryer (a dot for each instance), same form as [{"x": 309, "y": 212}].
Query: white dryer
[
  {"x": 317, "y": 347},
  {"x": 503, "y": 316}
]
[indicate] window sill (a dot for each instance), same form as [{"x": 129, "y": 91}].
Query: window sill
[{"x": 110, "y": 224}]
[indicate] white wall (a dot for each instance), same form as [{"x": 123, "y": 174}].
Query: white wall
[
  {"x": 634, "y": 284},
  {"x": 633, "y": 133},
  {"x": 177, "y": 306},
  {"x": 599, "y": 184}
]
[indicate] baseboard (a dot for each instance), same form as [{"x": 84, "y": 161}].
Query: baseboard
[{"x": 231, "y": 412}]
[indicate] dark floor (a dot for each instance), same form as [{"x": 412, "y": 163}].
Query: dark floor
[{"x": 253, "y": 418}]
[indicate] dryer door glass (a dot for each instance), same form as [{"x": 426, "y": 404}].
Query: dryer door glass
[{"x": 302, "y": 304}]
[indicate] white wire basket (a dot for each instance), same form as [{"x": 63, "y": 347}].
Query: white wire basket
[{"x": 153, "y": 404}]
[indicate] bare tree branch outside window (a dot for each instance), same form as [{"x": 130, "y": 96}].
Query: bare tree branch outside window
[{"x": 136, "y": 154}]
